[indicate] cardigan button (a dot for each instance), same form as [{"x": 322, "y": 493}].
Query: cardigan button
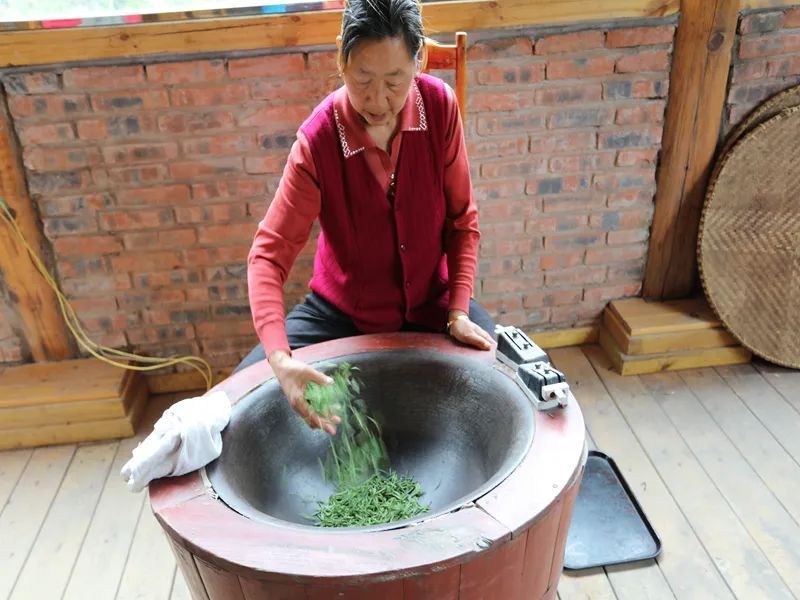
[
  {"x": 402, "y": 247},
  {"x": 408, "y": 283}
]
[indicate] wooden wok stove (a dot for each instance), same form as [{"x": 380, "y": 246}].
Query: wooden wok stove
[{"x": 500, "y": 478}]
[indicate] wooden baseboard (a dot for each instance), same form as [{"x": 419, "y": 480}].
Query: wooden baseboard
[
  {"x": 84, "y": 429},
  {"x": 561, "y": 338},
  {"x": 188, "y": 381}
]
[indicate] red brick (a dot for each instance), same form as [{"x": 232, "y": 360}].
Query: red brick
[
  {"x": 496, "y": 147},
  {"x": 578, "y": 276},
  {"x": 69, "y": 226},
  {"x": 502, "y": 48},
  {"x": 586, "y": 202},
  {"x": 135, "y": 219},
  {"x": 500, "y": 266},
  {"x": 770, "y": 44},
  {"x": 760, "y": 22},
  {"x": 186, "y": 72},
  {"x": 513, "y": 168},
  {"x": 143, "y": 99},
  {"x": 138, "y": 175},
  {"x": 155, "y": 280},
  {"x": 561, "y": 260},
  {"x": 160, "y": 240},
  {"x": 749, "y": 70},
  {"x": 159, "y": 334},
  {"x": 220, "y": 144},
  {"x": 611, "y": 182},
  {"x": 633, "y": 137},
  {"x": 94, "y": 306},
  {"x": 640, "y": 36},
  {"x": 556, "y": 95},
  {"x": 196, "y": 122},
  {"x": 218, "y": 256},
  {"x": 43, "y": 82},
  {"x": 206, "y": 167},
  {"x": 579, "y": 118},
  {"x": 792, "y": 19},
  {"x": 38, "y": 158},
  {"x": 323, "y": 63},
  {"x": 226, "y": 234},
  {"x": 276, "y": 118},
  {"x": 634, "y": 236},
  {"x": 615, "y": 254},
  {"x": 501, "y": 248},
  {"x": 650, "y": 112},
  {"x": 133, "y": 153},
  {"x": 631, "y": 198},
  {"x": 276, "y": 65},
  {"x": 578, "y": 68},
  {"x": 641, "y": 62},
  {"x": 212, "y": 213},
  {"x": 605, "y": 294},
  {"x": 503, "y": 229},
  {"x": 107, "y": 77},
  {"x": 52, "y": 106},
  {"x": 147, "y": 261},
  {"x": 549, "y": 142},
  {"x": 637, "y": 158},
  {"x": 231, "y": 94},
  {"x": 784, "y": 67},
  {"x": 509, "y": 285},
  {"x": 509, "y": 74},
  {"x": 570, "y": 42},
  {"x": 163, "y": 195},
  {"x": 622, "y": 89},
  {"x": 86, "y": 245},
  {"x": 557, "y": 184},
  {"x": 59, "y": 183},
  {"x": 69, "y": 205},
  {"x": 51, "y": 133},
  {"x": 268, "y": 163},
  {"x": 73, "y": 267},
  {"x": 283, "y": 89},
  {"x": 496, "y": 101},
  {"x": 494, "y": 190},
  {"x": 229, "y": 188},
  {"x": 219, "y": 329},
  {"x": 580, "y": 163},
  {"x": 510, "y": 123},
  {"x": 562, "y": 297},
  {"x": 574, "y": 240},
  {"x": 117, "y": 126}
]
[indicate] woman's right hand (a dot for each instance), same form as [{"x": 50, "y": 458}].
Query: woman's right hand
[{"x": 293, "y": 375}]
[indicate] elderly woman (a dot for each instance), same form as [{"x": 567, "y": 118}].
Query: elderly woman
[{"x": 382, "y": 164}]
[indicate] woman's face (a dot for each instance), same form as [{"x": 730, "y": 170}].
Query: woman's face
[{"x": 377, "y": 77}]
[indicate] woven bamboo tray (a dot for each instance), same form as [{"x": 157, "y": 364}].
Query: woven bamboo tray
[{"x": 749, "y": 239}]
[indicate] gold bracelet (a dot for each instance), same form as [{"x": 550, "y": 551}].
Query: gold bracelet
[{"x": 454, "y": 319}]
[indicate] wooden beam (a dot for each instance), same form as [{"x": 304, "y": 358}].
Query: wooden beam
[
  {"x": 698, "y": 83},
  {"x": 43, "y": 329},
  {"x": 38, "y": 47}
]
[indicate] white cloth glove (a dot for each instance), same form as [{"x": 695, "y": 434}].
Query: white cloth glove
[{"x": 185, "y": 438}]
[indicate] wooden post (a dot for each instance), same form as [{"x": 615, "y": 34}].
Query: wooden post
[
  {"x": 43, "y": 327},
  {"x": 698, "y": 85}
]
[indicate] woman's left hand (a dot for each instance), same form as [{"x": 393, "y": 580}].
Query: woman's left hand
[{"x": 470, "y": 333}]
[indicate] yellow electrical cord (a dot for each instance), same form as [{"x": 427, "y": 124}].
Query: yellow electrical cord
[{"x": 107, "y": 355}]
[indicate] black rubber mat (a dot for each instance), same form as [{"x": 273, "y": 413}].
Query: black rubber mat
[{"x": 608, "y": 526}]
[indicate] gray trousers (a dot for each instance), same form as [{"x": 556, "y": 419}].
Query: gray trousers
[{"x": 316, "y": 320}]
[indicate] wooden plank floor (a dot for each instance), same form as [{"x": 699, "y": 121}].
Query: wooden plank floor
[{"x": 713, "y": 456}]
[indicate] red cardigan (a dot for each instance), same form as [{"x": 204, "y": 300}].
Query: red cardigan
[{"x": 383, "y": 255}]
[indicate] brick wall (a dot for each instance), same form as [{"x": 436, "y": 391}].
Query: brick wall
[
  {"x": 150, "y": 179},
  {"x": 766, "y": 60}
]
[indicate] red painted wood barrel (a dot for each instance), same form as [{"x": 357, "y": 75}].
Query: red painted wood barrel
[{"x": 506, "y": 545}]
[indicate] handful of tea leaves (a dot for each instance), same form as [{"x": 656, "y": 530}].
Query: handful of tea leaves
[{"x": 357, "y": 460}]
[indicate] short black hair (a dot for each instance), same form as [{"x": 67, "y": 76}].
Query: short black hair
[{"x": 379, "y": 19}]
